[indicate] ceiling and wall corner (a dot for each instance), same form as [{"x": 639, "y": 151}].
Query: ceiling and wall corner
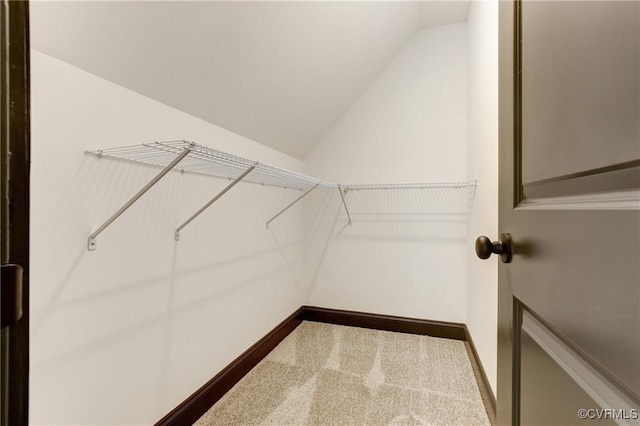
[
  {"x": 279, "y": 73},
  {"x": 409, "y": 126},
  {"x": 283, "y": 76}
]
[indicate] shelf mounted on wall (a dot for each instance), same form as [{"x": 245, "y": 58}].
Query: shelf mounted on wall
[
  {"x": 291, "y": 205},
  {"x": 199, "y": 159},
  {"x": 410, "y": 202},
  {"x": 91, "y": 244},
  {"x": 189, "y": 157},
  {"x": 213, "y": 200}
]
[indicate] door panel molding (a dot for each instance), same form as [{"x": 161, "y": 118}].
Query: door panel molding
[
  {"x": 611, "y": 187},
  {"x": 579, "y": 76},
  {"x": 604, "y": 391},
  {"x": 604, "y": 185},
  {"x": 634, "y": 164},
  {"x": 623, "y": 200}
]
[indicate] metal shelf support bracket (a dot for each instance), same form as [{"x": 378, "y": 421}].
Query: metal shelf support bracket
[
  {"x": 344, "y": 203},
  {"x": 287, "y": 208},
  {"x": 92, "y": 238},
  {"x": 213, "y": 200}
]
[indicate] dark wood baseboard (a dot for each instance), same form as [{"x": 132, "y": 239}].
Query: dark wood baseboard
[
  {"x": 486, "y": 392},
  {"x": 448, "y": 330},
  {"x": 197, "y": 404},
  {"x": 200, "y": 401}
]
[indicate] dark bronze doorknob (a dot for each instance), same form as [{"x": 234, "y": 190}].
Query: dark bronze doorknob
[{"x": 485, "y": 248}]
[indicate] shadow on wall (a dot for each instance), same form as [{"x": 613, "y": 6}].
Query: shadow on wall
[
  {"x": 405, "y": 214},
  {"x": 57, "y": 303},
  {"x": 140, "y": 284},
  {"x": 307, "y": 253},
  {"x": 94, "y": 182},
  {"x": 410, "y": 215},
  {"x": 129, "y": 329},
  {"x": 96, "y": 301}
]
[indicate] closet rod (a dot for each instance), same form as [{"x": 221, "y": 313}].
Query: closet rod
[
  {"x": 220, "y": 194},
  {"x": 344, "y": 204},
  {"x": 92, "y": 238},
  {"x": 287, "y": 208}
]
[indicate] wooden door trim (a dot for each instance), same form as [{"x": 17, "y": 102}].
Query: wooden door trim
[
  {"x": 518, "y": 187},
  {"x": 16, "y": 111},
  {"x": 510, "y": 196}
]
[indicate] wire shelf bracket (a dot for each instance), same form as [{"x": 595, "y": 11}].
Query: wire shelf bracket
[
  {"x": 91, "y": 244},
  {"x": 290, "y": 205},
  {"x": 344, "y": 203},
  {"x": 213, "y": 200}
]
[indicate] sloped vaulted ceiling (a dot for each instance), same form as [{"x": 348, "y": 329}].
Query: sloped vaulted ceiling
[{"x": 280, "y": 73}]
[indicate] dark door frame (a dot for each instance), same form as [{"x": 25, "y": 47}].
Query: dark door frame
[{"x": 14, "y": 235}]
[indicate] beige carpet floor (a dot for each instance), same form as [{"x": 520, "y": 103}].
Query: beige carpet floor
[{"x": 325, "y": 374}]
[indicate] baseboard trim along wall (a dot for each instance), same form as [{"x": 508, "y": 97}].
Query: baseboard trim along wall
[
  {"x": 200, "y": 401},
  {"x": 486, "y": 392},
  {"x": 192, "y": 408},
  {"x": 448, "y": 330}
]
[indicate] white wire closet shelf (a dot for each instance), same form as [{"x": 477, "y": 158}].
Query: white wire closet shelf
[
  {"x": 208, "y": 161},
  {"x": 190, "y": 157},
  {"x": 419, "y": 199}
]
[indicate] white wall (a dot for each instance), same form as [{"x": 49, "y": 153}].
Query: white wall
[
  {"x": 409, "y": 126},
  {"x": 124, "y": 334},
  {"x": 482, "y": 161},
  {"x": 135, "y": 327}
]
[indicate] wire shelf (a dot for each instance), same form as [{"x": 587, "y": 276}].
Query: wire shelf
[
  {"x": 467, "y": 185},
  {"x": 208, "y": 161},
  {"x": 189, "y": 157},
  {"x": 418, "y": 200}
]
